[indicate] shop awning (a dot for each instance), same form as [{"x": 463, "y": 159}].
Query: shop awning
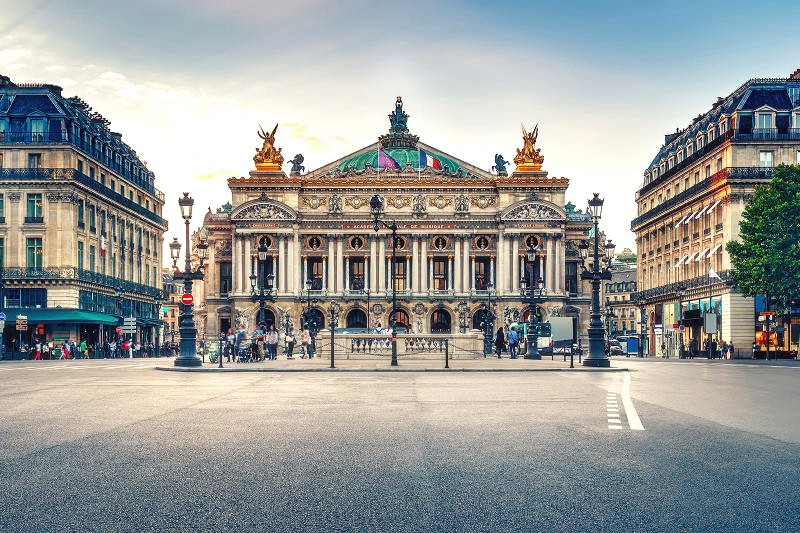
[
  {"x": 678, "y": 223},
  {"x": 715, "y": 204},
  {"x": 702, "y": 255},
  {"x": 690, "y": 217},
  {"x": 681, "y": 260},
  {"x": 700, "y": 213},
  {"x": 64, "y": 316},
  {"x": 714, "y": 249}
]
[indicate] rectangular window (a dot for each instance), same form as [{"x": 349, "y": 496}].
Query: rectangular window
[
  {"x": 80, "y": 255},
  {"x": 81, "y": 208},
  {"x": 37, "y": 130},
  {"x": 440, "y": 274},
  {"x": 357, "y": 274},
  {"x": 34, "y": 160},
  {"x": 92, "y": 258},
  {"x": 3, "y": 207},
  {"x": 102, "y": 223},
  {"x": 482, "y": 274},
  {"x": 112, "y": 185},
  {"x": 765, "y": 159},
  {"x": 2, "y": 257},
  {"x": 708, "y": 171},
  {"x": 34, "y": 208},
  {"x": 400, "y": 275},
  {"x": 92, "y": 220},
  {"x": 3, "y": 128},
  {"x": 91, "y": 172},
  {"x": 80, "y": 166},
  {"x": 571, "y": 278},
  {"x": 113, "y": 266},
  {"x": 225, "y": 277},
  {"x": 719, "y": 164},
  {"x": 764, "y": 121},
  {"x": 33, "y": 252},
  {"x": 315, "y": 270}
]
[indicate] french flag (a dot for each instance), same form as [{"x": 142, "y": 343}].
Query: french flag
[
  {"x": 427, "y": 160},
  {"x": 102, "y": 246}
]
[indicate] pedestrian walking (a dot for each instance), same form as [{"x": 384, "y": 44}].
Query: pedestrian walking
[
  {"x": 513, "y": 340},
  {"x": 84, "y": 349},
  {"x": 500, "y": 342},
  {"x": 272, "y": 342},
  {"x": 305, "y": 340},
  {"x": 290, "y": 341}
]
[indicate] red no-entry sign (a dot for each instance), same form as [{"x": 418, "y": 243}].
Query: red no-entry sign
[
  {"x": 119, "y": 329},
  {"x": 187, "y": 299}
]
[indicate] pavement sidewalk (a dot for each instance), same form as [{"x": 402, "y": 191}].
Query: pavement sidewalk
[{"x": 382, "y": 364}]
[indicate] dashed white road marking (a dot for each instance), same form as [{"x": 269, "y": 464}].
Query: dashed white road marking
[
  {"x": 612, "y": 408},
  {"x": 630, "y": 411}
]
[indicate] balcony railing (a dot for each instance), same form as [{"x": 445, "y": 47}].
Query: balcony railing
[
  {"x": 769, "y": 134},
  {"x": 34, "y": 220},
  {"x": 70, "y": 174},
  {"x": 73, "y": 273},
  {"x": 678, "y": 286},
  {"x": 730, "y": 174}
]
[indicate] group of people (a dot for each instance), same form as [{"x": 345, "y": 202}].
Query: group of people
[
  {"x": 261, "y": 343},
  {"x": 712, "y": 349},
  {"x": 514, "y": 343},
  {"x": 70, "y": 349}
]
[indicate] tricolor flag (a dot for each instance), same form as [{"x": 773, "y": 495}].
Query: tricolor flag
[
  {"x": 102, "y": 246},
  {"x": 386, "y": 161},
  {"x": 427, "y": 160},
  {"x": 712, "y": 274}
]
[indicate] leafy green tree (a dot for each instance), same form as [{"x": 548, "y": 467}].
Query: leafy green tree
[{"x": 766, "y": 258}]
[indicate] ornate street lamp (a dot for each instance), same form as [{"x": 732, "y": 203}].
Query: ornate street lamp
[
  {"x": 310, "y": 324},
  {"x": 261, "y": 292},
  {"x": 532, "y": 294},
  {"x": 488, "y": 321},
  {"x": 376, "y": 209},
  {"x": 188, "y": 331},
  {"x": 597, "y": 273},
  {"x": 333, "y": 321}
]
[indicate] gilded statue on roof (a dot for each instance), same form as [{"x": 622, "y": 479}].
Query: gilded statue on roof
[
  {"x": 268, "y": 157},
  {"x": 529, "y": 158}
]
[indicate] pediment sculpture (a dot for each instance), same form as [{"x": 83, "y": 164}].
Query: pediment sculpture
[
  {"x": 534, "y": 211},
  {"x": 262, "y": 211}
]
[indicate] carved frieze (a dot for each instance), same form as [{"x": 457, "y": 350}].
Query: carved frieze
[
  {"x": 482, "y": 202},
  {"x": 335, "y": 204},
  {"x": 399, "y": 202},
  {"x": 14, "y": 197},
  {"x": 440, "y": 201},
  {"x": 356, "y": 202},
  {"x": 314, "y": 202},
  {"x": 262, "y": 211},
  {"x": 62, "y": 197},
  {"x": 534, "y": 211}
]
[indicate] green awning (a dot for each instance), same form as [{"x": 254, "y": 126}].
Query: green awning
[{"x": 64, "y": 316}]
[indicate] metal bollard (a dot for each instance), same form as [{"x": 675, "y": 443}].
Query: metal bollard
[{"x": 446, "y": 353}]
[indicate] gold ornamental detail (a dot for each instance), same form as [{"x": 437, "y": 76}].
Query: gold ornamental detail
[
  {"x": 529, "y": 158},
  {"x": 399, "y": 202},
  {"x": 356, "y": 202},
  {"x": 440, "y": 201},
  {"x": 268, "y": 158},
  {"x": 482, "y": 202},
  {"x": 314, "y": 202}
]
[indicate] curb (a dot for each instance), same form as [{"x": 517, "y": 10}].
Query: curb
[{"x": 406, "y": 370}]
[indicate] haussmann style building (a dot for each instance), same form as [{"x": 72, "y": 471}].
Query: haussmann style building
[
  {"x": 466, "y": 238},
  {"x": 81, "y": 224},
  {"x": 689, "y": 207}
]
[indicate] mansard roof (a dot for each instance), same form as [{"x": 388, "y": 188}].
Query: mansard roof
[
  {"x": 26, "y": 104},
  {"x": 781, "y": 94}
]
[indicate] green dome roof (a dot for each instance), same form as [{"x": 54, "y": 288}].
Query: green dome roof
[{"x": 402, "y": 156}]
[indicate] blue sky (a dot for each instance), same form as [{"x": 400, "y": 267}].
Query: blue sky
[{"x": 188, "y": 81}]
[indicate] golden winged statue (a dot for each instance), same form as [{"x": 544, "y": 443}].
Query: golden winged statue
[
  {"x": 529, "y": 158},
  {"x": 268, "y": 157}
]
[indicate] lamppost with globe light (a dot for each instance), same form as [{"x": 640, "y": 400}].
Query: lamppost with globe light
[
  {"x": 597, "y": 353},
  {"x": 376, "y": 209},
  {"x": 333, "y": 322},
  {"x": 260, "y": 290},
  {"x": 188, "y": 331},
  {"x": 532, "y": 294},
  {"x": 309, "y": 323}
]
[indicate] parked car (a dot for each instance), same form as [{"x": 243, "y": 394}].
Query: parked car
[{"x": 613, "y": 347}]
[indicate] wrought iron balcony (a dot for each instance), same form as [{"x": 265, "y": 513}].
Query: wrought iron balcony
[
  {"x": 672, "y": 289},
  {"x": 80, "y": 274},
  {"x": 70, "y": 174}
]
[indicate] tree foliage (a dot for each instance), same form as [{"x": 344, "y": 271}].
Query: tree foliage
[{"x": 766, "y": 258}]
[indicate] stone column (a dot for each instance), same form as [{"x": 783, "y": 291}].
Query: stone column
[
  {"x": 329, "y": 286},
  {"x": 450, "y": 285},
  {"x": 347, "y": 274},
  {"x": 408, "y": 273},
  {"x": 339, "y": 264},
  {"x": 281, "y": 264},
  {"x": 423, "y": 265},
  {"x": 500, "y": 250},
  {"x": 457, "y": 242},
  {"x": 491, "y": 272},
  {"x": 430, "y": 274},
  {"x": 373, "y": 265},
  {"x": 237, "y": 264},
  {"x": 325, "y": 279},
  {"x": 515, "y": 264},
  {"x": 560, "y": 260},
  {"x": 291, "y": 265},
  {"x": 472, "y": 274},
  {"x": 380, "y": 283},
  {"x": 466, "y": 284},
  {"x": 298, "y": 283},
  {"x": 305, "y": 273},
  {"x": 414, "y": 264}
]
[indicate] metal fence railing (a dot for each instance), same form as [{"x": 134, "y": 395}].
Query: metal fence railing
[{"x": 409, "y": 346}]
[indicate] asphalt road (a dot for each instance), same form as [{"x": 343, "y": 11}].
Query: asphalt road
[{"x": 117, "y": 445}]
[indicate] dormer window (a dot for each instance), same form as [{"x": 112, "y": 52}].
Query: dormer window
[
  {"x": 689, "y": 148},
  {"x": 700, "y": 141},
  {"x": 764, "y": 121},
  {"x": 680, "y": 155},
  {"x": 723, "y": 125},
  {"x": 796, "y": 122}
]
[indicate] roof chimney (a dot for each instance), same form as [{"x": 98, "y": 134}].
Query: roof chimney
[{"x": 795, "y": 75}]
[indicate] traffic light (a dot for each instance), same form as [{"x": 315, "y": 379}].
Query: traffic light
[{"x": 165, "y": 310}]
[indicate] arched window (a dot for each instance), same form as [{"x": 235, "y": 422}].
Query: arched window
[
  {"x": 478, "y": 319},
  {"x": 314, "y": 319},
  {"x": 267, "y": 318},
  {"x": 440, "y": 321},
  {"x": 403, "y": 323},
  {"x": 356, "y": 319}
]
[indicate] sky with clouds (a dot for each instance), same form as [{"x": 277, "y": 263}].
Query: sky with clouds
[{"x": 187, "y": 82}]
